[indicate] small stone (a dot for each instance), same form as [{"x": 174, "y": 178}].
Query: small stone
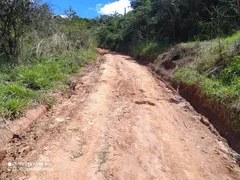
[
  {"x": 168, "y": 90},
  {"x": 60, "y": 120},
  {"x": 203, "y": 137},
  {"x": 175, "y": 100},
  {"x": 90, "y": 123},
  {"x": 213, "y": 130},
  {"x": 222, "y": 147},
  {"x": 204, "y": 121},
  {"x": 182, "y": 105},
  {"x": 196, "y": 117}
]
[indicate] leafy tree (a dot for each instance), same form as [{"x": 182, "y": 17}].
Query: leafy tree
[
  {"x": 14, "y": 15},
  {"x": 18, "y": 17}
]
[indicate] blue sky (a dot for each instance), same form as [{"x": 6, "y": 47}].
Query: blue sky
[{"x": 90, "y": 8}]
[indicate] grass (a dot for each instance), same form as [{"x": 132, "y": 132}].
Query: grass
[
  {"x": 216, "y": 70},
  {"x": 24, "y": 85},
  {"x": 148, "y": 51},
  {"x": 210, "y": 87}
]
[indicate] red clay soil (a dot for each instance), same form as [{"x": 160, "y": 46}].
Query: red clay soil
[
  {"x": 218, "y": 114},
  {"x": 121, "y": 123}
]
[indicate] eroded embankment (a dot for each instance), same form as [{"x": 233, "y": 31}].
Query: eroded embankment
[{"x": 218, "y": 114}]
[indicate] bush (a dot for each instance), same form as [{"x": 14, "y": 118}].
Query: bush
[
  {"x": 231, "y": 74},
  {"x": 147, "y": 51}
]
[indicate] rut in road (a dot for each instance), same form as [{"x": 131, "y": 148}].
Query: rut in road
[{"x": 122, "y": 123}]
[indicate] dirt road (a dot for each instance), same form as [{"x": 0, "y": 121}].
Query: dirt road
[{"x": 121, "y": 123}]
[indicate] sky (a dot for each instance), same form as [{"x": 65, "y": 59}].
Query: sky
[{"x": 90, "y": 8}]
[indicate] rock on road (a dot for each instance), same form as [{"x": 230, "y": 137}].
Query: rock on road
[{"x": 121, "y": 123}]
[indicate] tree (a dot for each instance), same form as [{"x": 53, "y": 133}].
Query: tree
[
  {"x": 70, "y": 13},
  {"x": 170, "y": 21},
  {"x": 15, "y": 16}
]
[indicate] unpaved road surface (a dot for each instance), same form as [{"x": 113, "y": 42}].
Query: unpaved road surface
[{"x": 120, "y": 123}]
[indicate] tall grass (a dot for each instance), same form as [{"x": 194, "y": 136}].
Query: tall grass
[{"x": 45, "y": 63}]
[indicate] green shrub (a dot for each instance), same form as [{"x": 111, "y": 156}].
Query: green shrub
[
  {"x": 187, "y": 75},
  {"x": 147, "y": 51},
  {"x": 231, "y": 74}
]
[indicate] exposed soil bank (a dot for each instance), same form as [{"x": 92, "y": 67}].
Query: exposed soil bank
[
  {"x": 13, "y": 128},
  {"x": 217, "y": 114},
  {"x": 168, "y": 63}
]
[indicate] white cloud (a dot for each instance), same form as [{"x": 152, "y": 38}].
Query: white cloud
[
  {"x": 63, "y": 16},
  {"x": 111, "y": 8}
]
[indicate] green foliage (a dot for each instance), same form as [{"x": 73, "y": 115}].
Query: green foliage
[
  {"x": 187, "y": 75},
  {"x": 40, "y": 76},
  {"x": 148, "y": 52},
  {"x": 28, "y": 84},
  {"x": 231, "y": 74},
  {"x": 15, "y": 98},
  {"x": 166, "y": 22},
  {"x": 38, "y": 52},
  {"x": 16, "y": 16}
]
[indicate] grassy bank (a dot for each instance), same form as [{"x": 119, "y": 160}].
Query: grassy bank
[
  {"x": 216, "y": 70},
  {"x": 25, "y": 85}
]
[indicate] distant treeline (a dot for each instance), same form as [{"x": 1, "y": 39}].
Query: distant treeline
[{"x": 166, "y": 22}]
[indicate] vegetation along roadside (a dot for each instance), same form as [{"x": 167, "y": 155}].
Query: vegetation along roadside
[{"x": 38, "y": 52}]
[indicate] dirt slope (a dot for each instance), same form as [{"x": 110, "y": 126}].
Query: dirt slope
[{"x": 121, "y": 123}]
